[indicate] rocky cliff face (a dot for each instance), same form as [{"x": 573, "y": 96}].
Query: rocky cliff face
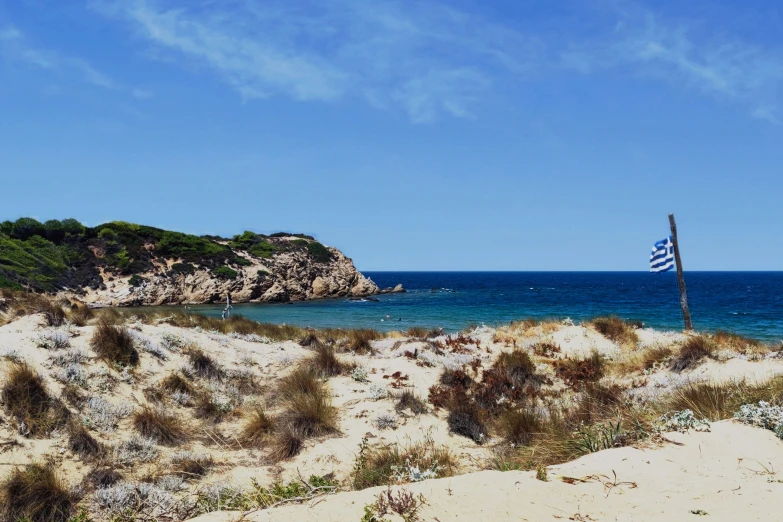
[
  {"x": 287, "y": 276},
  {"x": 126, "y": 264}
]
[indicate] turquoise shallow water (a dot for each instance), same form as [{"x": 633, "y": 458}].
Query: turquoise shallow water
[{"x": 749, "y": 303}]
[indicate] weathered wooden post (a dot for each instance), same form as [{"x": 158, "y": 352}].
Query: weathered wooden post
[{"x": 686, "y": 314}]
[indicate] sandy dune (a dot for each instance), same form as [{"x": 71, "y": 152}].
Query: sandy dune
[
  {"x": 723, "y": 473},
  {"x": 728, "y": 473}
]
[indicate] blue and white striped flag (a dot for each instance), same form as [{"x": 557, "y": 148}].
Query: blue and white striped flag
[{"x": 662, "y": 257}]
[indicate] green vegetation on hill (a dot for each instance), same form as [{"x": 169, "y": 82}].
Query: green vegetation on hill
[{"x": 60, "y": 254}]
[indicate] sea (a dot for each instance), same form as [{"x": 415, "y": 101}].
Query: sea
[{"x": 747, "y": 303}]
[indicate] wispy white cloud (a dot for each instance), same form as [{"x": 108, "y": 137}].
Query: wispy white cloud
[
  {"x": 142, "y": 94},
  {"x": 15, "y": 47},
  {"x": 645, "y": 43},
  {"x": 425, "y": 59}
]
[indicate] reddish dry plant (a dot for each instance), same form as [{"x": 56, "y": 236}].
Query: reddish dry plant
[
  {"x": 545, "y": 349},
  {"x": 578, "y": 371},
  {"x": 398, "y": 380}
]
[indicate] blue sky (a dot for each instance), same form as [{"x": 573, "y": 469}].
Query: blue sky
[{"x": 505, "y": 135}]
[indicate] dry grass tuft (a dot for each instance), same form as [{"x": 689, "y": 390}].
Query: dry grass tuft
[
  {"x": 159, "y": 426},
  {"x": 80, "y": 314},
  {"x": 359, "y": 340},
  {"x": 203, "y": 365},
  {"x": 300, "y": 380},
  {"x": 616, "y": 329},
  {"x": 114, "y": 344},
  {"x": 639, "y": 361},
  {"x": 35, "y": 493},
  {"x": 190, "y": 466},
  {"x": 310, "y": 414},
  {"x": 73, "y": 395},
  {"x": 516, "y": 366},
  {"x": 324, "y": 361},
  {"x": 519, "y": 426},
  {"x": 206, "y": 407},
  {"x": 174, "y": 382},
  {"x": 720, "y": 401},
  {"x": 378, "y": 466},
  {"x": 27, "y": 401},
  {"x": 419, "y": 332},
  {"x": 81, "y": 443},
  {"x": 739, "y": 343},
  {"x": 309, "y": 340},
  {"x": 692, "y": 352},
  {"x": 285, "y": 444},
  {"x": 28, "y": 303},
  {"x": 408, "y": 400},
  {"x": 307, "y": 412},
  {"x": 257, "y": 429},
  {"x": 103, "y": 477},
  {"x": 466, "y": 418}
]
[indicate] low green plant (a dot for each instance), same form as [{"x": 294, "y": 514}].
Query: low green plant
[
  {"x": 224, "y": 272},
  {"x": 319, "y": 253}
]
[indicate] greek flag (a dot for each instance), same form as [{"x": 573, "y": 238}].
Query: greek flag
[{"x": 662, "y": 257}]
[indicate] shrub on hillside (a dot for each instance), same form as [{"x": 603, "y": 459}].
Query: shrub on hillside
[
  {"x": 25, "y": 228},
  {"x": 319, "y": 253},
  {"x": 225, "y": 272}
]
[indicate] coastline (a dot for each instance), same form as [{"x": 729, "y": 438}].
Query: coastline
[{"x": 363, "y": 375}]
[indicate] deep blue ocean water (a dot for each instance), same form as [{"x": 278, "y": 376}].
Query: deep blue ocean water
[{"x": 749, "y": 303}]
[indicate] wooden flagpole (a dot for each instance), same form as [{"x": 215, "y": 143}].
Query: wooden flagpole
[{"x": 686, "y": 314}]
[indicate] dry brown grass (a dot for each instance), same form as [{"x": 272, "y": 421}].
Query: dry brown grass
[
  {"x": 307, "y": 412},
  {"x": 35, "y": 493},
  {"x": 192, "y": 467},
  {"x": 740, "y": 344},
  {"x": 715, "y": 402},
  {"x": 27, "y": 303},
  {"x": 81, "y": 443},
  {"x": 234, "y": 324},
  {"x": 174, "y": 382},
  {"x": 206, "y": 408},
  {"x": 408, "y": 400},
  {"x": 203, "y": 365},
  {"x": 519, "y": 427},
  {"x": 80, "y": 314},
  {"x": 28, "y": 402},
  {"x": 257, "y": 429},
  {"x": 102, "y": 478},
  {"x": 310, "y": 414},
  {"x": 695, "y": 349},
  {"x": 419, "y": 332},
  {"x": 639, "y": 361},
  {"x": 466, "y": 418},
  {"x": 358, "y": 341},
  {"x": 516, "y": 366},
  {"x": 300, "y": 380},
  {"x": 285, "y": 444},
  {"x": 159, "y": 426},
  {"x": 375, "y": 465},
  {"x": 324, "y": 361},
  {"x": 615, "y": 329},
  {"x": 114, "y": 344}
]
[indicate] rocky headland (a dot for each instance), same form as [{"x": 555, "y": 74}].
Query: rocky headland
[{"x": 124, "y": 264}]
